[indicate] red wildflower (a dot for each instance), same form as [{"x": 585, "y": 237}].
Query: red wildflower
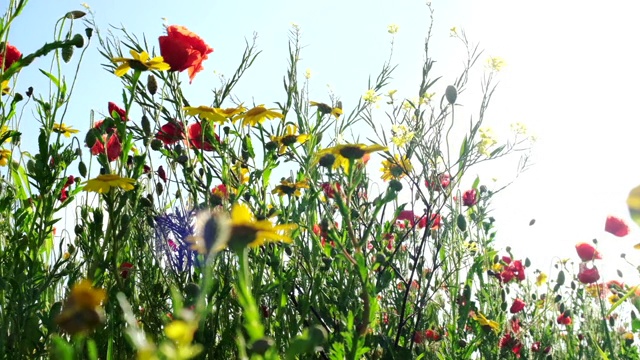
[
  {"x": 184, "y": 50},
  {"x": 586, "y": 252},
  {"x": 331, "y": 189},
  {"x": 221, "y": 191},
  {"x": 432, "y": 335},
  {"x": 515, "y": 269},
  {"x": 114, "y": 147},
  {"x": 197, "y": 138},
  {"x": 517, "y": 306},
  {"x": 436, "y": 221},
  {"x": 616, "y": 226},
  {"x": 171, "y": 133},
  {"x": 443, "y": 179},
  {"x": 418, "y": 337},
  {"x": 70, "y": 180},
  {"x": 588, "y": 275},
  {"x": 9, "y": 55},
  {"x": 125, "y": 268},
  {"x": 535, "y": 347},
  {"x": 470, "y": 197},
  {"x": 64, "y": 194},
  {"x": 564, "y": 319},
  {"x": 121, "y": 112}
]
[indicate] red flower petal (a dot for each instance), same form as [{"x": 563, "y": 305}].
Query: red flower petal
[{"x": 616, "y": 226}]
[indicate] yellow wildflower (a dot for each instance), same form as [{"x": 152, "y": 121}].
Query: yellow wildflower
[
  {"x": 289, "y": 138},
  {"x": 181, "y": 333},
  {"x": 541, "y": 279},
  {"x": 487, "y": 140},
  {"x": 240, "y": 172},
  {"x": 5, "y": 155},
  {"x": 287, "y": 187},
  {"x": 496, "y": 63},
  {"x": 216, "y": 231},
  {"x": 395, "y": 168},
  {"x": 4, "y": 132},
  {"x": 343, "y": 153},
  {"x": 104, "y": 183},
  {"x": 519, "y": 128},
  {"x": 5, "y": 87},
  {"x": 64, "y": 130},
  {"x": 613, "y": 298},
  {"x": 307, "y": 74},
  {"x": 141, "y": 62},
  {"x": 401, "y": 135},
  {"x": 392, "y": 29},
  {"x": 82, "y": 311},
  {"x": 218, "y": 115},
  {"x": 482, "y": 320},
  {"x": 257, "y": 115},
  {"x": 371, "y": 97},
  {"x": 326, "y": 109},
  {"x": 453, "y": 32}
]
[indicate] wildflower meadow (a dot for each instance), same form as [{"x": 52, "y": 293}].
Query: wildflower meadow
[{"x": 293, "y": 226}]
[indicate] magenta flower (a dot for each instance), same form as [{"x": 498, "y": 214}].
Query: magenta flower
[{"x": 616, "y": 226}]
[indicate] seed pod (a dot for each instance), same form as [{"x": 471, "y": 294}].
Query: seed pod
[
  {"x": 67, "y": 53},
  {"x": 152, "y": 84},
  {"x": 77, "y": 41},
  {"x": 82, "y": 168},
  {"x": 146, "y": 125},
  {"x": 75, "y": 14},
  {"x": 451, "y": 94}
]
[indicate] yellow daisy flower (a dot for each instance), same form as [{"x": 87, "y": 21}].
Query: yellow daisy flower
[
  {"x": 287, "y": 187},
  {"x": 326, "y": 109},
  {"x": 82, "y": 311},
  {"x": 541, "y": 279},
  {"x": 5, "y": 155},
  {"x": 104, "y": 183},
  {"x": 213, "y": 114},
  {"x": 257, "y": 115},
  {"x": 181, "y": 332},
  {"x": 343, "y": 153},
  {"x": 141, "y": 61},
  {"x": 289, "y": 138},
  {"x": 216, "y": 231},
  {"x": 3, "y": 132},
  {"x": 64, "y": 130},
  {"x": 395, "y": 168}
]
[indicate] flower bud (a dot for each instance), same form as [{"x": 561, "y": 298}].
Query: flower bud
[
  {"x": 67, "y": 53},
  {"x": 451, "y": 94},
  {"x": 152, "y": 84},
  {"x": 77, "y": 41},
  {"x": 156, "y": 144}
]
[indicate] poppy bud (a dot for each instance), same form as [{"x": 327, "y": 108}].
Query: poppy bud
[
  {"x": 451, "y": 93},
  {"x": 152, "y": 84}
]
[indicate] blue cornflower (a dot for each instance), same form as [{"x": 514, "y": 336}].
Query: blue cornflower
[{"x": 172, "y": 231}]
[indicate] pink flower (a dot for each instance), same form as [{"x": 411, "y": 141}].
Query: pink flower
[
  {"x": 470, "y": 197},
  {"x": 443, "y": 179},
  {"x": 588, "y": 275},
  {"x": 586, "y": 252},
  {"x": 616, "y": 226},
  {"x": 517, "y": 306}
]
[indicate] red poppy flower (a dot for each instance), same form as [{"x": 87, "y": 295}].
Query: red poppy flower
[
  {"x": 114, "y": 147},
  {"x": 470, "y": 197},
  {"x": 171, "y": 133},
  {"x": 121, "y": 112},
  {"x": 564, "y": 319},
  {"x": 586, "y": 252},
  {"x": 588, "y": 275},
  {"x": 221, "y": 191},
  {"x": 418, "y": 337},
  {"x": 616, "y": 226},
  {"x": 517, "y": 306},
  {"x": 432, "y": 335},
  {"x": 183, "y": 50},
  {"x": 10, "y": 55},
  {"x": 197, "y": 139}
]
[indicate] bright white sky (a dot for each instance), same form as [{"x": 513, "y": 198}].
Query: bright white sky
[{"x": 572, "y": 67}]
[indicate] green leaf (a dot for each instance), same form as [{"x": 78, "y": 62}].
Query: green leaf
[{"x": 52, "y": 78}]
